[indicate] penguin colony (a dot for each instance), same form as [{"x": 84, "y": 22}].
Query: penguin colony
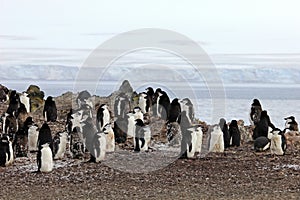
[{"x": 98, "y": 133}]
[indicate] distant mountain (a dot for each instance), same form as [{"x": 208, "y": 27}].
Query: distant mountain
[{"x": 233, "y": 75}]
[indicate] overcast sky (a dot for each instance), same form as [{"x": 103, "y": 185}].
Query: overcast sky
[{"x": 42, "y": 31}]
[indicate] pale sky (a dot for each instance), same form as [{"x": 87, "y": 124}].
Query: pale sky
[{"x": 34, "y": 31}]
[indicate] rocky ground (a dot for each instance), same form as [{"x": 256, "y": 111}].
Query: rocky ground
[{"x": 239, "y": 173}]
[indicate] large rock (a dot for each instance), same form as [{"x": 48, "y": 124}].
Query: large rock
[{"x": 36, "y": 97}]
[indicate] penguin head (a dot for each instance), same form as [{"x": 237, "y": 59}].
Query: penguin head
[
  {"x": 222, "y": 122},
  {"x": 256, "y": 102},
  {"x": 233, "y": 123},
  {"x": 276, "y": 131},
  {"x": 290, "y": 117},
  {"x": 139, "y": 122}
]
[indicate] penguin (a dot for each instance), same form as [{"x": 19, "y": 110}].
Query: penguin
[
  {"x": 186, "y": 139},
  {"x": 216, "y": 141},
  {"x": 187, "y": 105},
  {"x": 262, "y": 127},
  {"x": 99, "y": 147},
  {"x": 9, "y": 124},
  {"x": 50, "y": 110},
  {"x": 6, "y": 151},
  {"x": 130, "y": 124},
  {"x": 196, "y": 143},
  {"x": 120, "y": 129},
  {"x": 33, "y": 134},
  {"x": 110, "y": 138},
  {"x": 162, "y": 103},
  {"x": 4, "y": 94},
  {"x": 103, "y": 117},
  {"x": 150, "y": 100},
  {"x": 21, "y": 116},
  {"x": 143, "y": 102},
  {"x": 60, "y": 145},
  {"x": 24, "y": 99},
  {"x": 46, "y": 160},
  {"x": 138, "y": 114},
  {"x": 255, "y": 112},
  {"x": 278, "y": 142},
  {"x": 89, "y": 132},
  {"x": 121, "y": 105},
  {"x": 83, "y": 98},
  {"x": 234, "y": 133},
  {"x": 261, "y": 143},
  {"x": 174, "y": 111},
  {"x": 77, "y": 146},
  {"x": 69, "y": 124},
  {"x": 291, "y": 123},
  {"x": 75, "y": 120},
  {"x": 174, "y": 135},
  {"x": 142, "y": 136},
  {"x": 14, "y": 103},
  {"x": 226, "y": 136},
  {"x": 44, "y": 137}
]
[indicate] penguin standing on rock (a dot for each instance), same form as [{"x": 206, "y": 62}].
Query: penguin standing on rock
[
  {"x": 50, "y": 110},
  {"x": 226, "y": 135},
  {"x": 45, "y": 149},
  {"x": 278, "y": 142},
  {"x": 103, "y": 117},
  {"x": 291, "y": 123},
  {"x": 255, "y": 112},
  {"x": 262, "y": 127},
  {"x": 234, "y": 133},
  {"x": 162, "y": 103},
  {"x": 174, "y": 111}
]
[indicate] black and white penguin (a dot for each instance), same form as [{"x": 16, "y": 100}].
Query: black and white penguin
[
  {"x": 33, "y": 133},
  {"x": 174, "y": 111},
  {"x": 9, "y": 123},
  {"x": 99, "y": 147},
  {"x": 186, "y": 139},
  {"x": 226, "y": 136},
  {"x": 6, "y": 151},
  {"x": 24, "y": 99},
  {"x": 103, "y": 117},
  {"x": 138, "y": 114},
  {"x": 89, "y": 131},
  {"x": 261, "y": 143},
  {"x": 150, "y": 98},
  {"x": 131, "y": 124},
  {"x": 21, "y": 115},
  {"x": 50, "y": 110},
  {"x": 4, "y": 94},
  {"x": 255, "y": 112},
  {"x": 121, "y": 105},
  {"x": 162, "y": 103},
  {"x": 110, "y": 138},
  {"x": 83, "y": 98},
  {"x": 187, "y": 105},
  {"x": 46, "y": 160},
  {"x": 14, "y": 103},
  {"x": 196, "y": 144},
  {"x": 120, "y": 129},
  {"x": 143, "y": 102},
  {"x": 291, "y": 123},
  {"x": 278, "y": 142},
  {"x": 60, "y": 145},
  {"x": 262, "y": 127},
  {"x": 216, "y": 141},
  {"x": 174, "y": 135},
  {"x": 44, "y": 141},
  {"x": 234, "y": 133},
  {"x": 142, "y": 136}
]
